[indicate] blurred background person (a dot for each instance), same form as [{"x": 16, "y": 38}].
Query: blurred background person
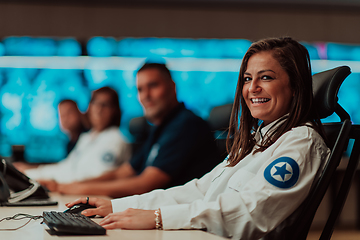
[
  {"x": 72, "y": 122},
  {"x": 180, "y": 145},
  {"x": 101, "y": 149}
]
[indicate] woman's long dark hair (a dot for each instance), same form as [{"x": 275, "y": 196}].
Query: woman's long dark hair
[
  {"x": 295, "y": 60},
  {"x": 115, "y": 121},
  {"x": 84, "y": 123}
]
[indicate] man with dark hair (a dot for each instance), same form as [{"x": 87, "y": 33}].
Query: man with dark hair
[
  {"x": 180, "y": 146},
  {"x": 72, "y": 122}
]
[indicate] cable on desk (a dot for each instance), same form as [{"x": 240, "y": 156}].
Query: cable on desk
[{"x": 19, "y": 216}]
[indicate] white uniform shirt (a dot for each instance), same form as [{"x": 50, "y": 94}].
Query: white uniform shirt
[
  {"x": 245, "y": 201},
  {"x": 93, "y": 154}
]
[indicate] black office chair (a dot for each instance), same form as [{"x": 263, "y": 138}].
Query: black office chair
[
  {"x": 325, "y": 86},
  {"x": 139, "y": 128},
  {"x": 218, "y": 121}
]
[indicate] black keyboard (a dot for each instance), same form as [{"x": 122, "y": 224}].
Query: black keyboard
[{"x": 72, "y": 223}]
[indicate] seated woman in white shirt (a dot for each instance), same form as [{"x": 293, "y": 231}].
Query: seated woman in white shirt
[
  {"x": 101, "y": 149},
  {"x": 276, "y": 154}
]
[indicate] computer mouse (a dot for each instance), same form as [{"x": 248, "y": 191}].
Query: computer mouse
[{"x": 78, "y": 208}]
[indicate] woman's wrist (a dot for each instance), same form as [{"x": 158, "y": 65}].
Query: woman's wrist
[{"x": 158, "y": 220}]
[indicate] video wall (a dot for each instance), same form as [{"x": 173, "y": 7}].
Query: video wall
[{"x": 37, "y": 73}]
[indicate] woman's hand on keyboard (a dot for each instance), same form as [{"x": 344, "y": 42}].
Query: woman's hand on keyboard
[
  {"x": 103, "y": 207},
  {"x": 130, "y": 219}
]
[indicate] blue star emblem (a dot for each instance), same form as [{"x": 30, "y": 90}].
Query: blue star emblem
[
  {"x": 108, "y": 157},
  {"x": 282, "y": 172}
]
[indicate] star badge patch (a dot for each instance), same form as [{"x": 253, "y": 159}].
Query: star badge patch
[
  {"x": 282, "y": 172},
  {"x": 108, "y": 157}
]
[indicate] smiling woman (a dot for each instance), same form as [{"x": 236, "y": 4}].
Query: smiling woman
[
  {"x": 276, "y": 155},
  {"x": 266, "y": 90},
  {"x": 289, "y": 64}
]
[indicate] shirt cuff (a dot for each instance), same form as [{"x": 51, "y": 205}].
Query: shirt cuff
[
  {"x": 121, "y": 204},
  {"x": 176, "y": 216}
]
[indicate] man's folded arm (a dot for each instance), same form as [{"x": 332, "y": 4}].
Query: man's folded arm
[
  {"x": 151, "y": 178},
  {"x": 124, "y": 171}
]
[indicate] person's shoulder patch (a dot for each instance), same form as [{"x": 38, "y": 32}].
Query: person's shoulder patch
[
  {"x": 282, "y": 172},
  {"x": 108, "y": 157}
]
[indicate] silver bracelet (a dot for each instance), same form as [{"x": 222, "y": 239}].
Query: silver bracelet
[{"x": 158, "y": 223}]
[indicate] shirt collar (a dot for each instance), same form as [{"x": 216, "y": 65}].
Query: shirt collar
[
  {"x": 172, "y": 113},
  {"x": 168, "y": 118},
  {"x": 267, "y": 130}
]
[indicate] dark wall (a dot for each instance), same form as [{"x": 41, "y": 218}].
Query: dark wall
[{"x": 181, "y": 21}]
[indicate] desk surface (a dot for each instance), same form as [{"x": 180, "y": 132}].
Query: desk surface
[{"x": 35, "y": 230}]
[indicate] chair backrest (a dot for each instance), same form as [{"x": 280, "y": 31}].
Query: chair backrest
[
  {"x": 139, "y": 128},
  {"x": 218, "y": 121},
  {"x": 325, "y": 88},
  {"x": 219, "y": 117}
]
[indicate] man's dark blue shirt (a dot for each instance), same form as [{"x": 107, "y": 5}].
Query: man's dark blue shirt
[{"x": 182, "y": 146}]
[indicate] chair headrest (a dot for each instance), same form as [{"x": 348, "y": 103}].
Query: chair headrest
[
  {"x": 219, "y": 117},
  {"x": 138, "y": 126},
  {"x": 325, "y": 89}
]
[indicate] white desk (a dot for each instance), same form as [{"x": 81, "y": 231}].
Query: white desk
[{"x": 36, "y": 231}]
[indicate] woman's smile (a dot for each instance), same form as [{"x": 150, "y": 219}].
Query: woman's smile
[{"x": 266, "y": 89}]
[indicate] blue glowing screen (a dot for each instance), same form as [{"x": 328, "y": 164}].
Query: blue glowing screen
[{"x": 205, "y": 72}]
